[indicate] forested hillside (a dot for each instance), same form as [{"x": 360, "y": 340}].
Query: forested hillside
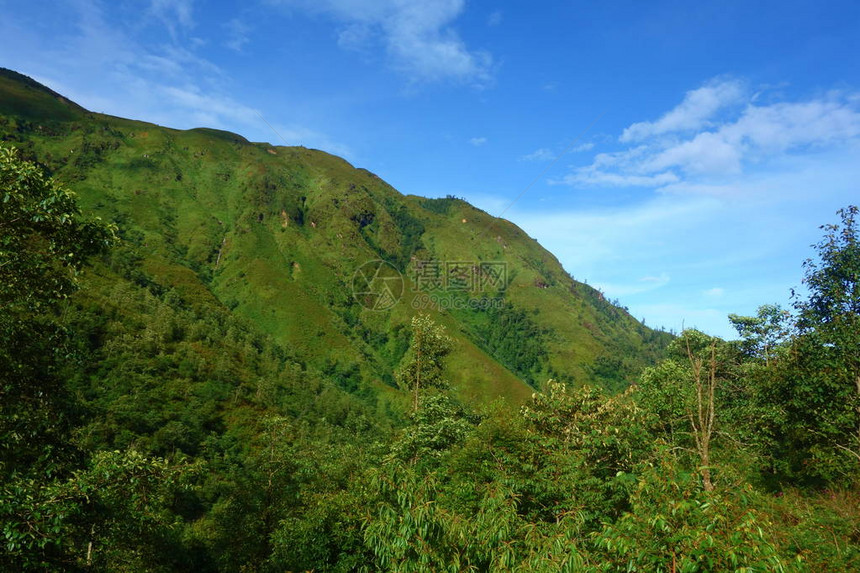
[
  {"x": 196, "y": 374},
  {"x": 278, "y": 234}
]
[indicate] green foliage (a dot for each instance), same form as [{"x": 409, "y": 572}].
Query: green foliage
[
  {"x": 605, "y": 438},
  {"x": 514, "y": 339},
  {"x": 764, "y": 335},
  {"x": 495, "y": 507},
  {"x": 424, "y": 365},
  {"x": 129, "y": 511},
  {"x": 815, "y": 432},
  {"x": 411, "y": 230},
  {"x": 440, "y": 206},
  {"x": 34, "y": 516},
  {"x": 818, "y": 530},
  {"x": 833, "y": 307},
  {"x": 669, "y": 390},
  {"x": 113, "y": 515},
  {"x": 438, "y": 425},
  {"x": 44, "y": 243},
  {"x": 675, "y": 525},
  {"x": 665, "y": 391}
]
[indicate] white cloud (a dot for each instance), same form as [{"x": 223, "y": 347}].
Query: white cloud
[
  {"x": 478, "y": 141},
  {"x": 417, "y": 36},
  {"x": 715, "y": 137},
  {"x": 785, "y": 126},
  {"x": 494, "y": 19},
  {"x": 586, "y": 240},
  {"x": 704, "y": 154},
  {"x": 694, "y": 112},
  {"x": 749, "y": 235},
  {"x": 355, "y": 36},
  {"x": 542, "y": 154},
  {"x": 178, "y": 10},
  {"x": 662, "y": 279}
]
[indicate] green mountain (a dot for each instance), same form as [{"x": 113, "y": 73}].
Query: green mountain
[{"x": 327, "y": 260}]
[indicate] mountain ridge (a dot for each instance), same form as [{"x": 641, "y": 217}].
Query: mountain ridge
[{"x": 276, "y": 234}]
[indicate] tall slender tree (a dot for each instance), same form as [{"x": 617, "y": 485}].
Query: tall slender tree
[{"x": 423, "y": 366}]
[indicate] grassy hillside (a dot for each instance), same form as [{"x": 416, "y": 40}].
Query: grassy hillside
[{"x": 275, "y": 236}]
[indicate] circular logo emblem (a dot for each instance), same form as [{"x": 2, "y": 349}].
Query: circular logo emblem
[{"x": 377, "y": 285}]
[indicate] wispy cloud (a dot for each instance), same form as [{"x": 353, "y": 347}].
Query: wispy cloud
[
  {"x": 311, "y": 138},
  {"x": 542, "y": 154},
  {"x": 237, "y": 34},
  {"x": 110, "y": 67},
  {"x": 545, "y": 154},
  {"x": 174, "y": 14},
  {"x": 209, "y": 110},
  {"x": 645, "y": 284},
  {"x": 418, "y": 36},
  {"x": 588, "y": 240},
  {"x": 601, "y": 178},
  {"x": 478, "y": 141}
]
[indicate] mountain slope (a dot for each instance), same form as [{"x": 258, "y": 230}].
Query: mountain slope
[{"x": 277, "y": 235}]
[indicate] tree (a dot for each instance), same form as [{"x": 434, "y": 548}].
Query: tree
[
  {"x": 764, "y": 334},
  {"x": 832, "y": 311},
  {"x": 703, "y": 417},
  {"x": 827, "y": 352},
  {"x": 423, "y": 367},
  {"x": 440, "y": 424},
  {"x": 676, "y": 525},
  {"x": 44, "y": 243},
  {"x": 833, "y": 307},
  {"x": 684, "y": 392}
]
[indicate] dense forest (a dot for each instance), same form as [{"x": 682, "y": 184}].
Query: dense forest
[{"x": 144, "y": 432}]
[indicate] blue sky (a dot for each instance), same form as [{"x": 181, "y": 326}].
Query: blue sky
[{"x": 682, "y": 154}]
